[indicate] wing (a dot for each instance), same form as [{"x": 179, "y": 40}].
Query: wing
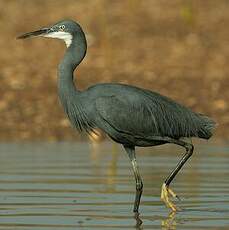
[
  {"x": 148, "y": 114},
  {"x": 127, "y": 115}
]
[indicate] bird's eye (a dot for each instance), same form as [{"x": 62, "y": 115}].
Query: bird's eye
[{"x": 62, "y": 27}]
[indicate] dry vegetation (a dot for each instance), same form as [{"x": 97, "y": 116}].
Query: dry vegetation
[{"x": 179, "y": 48}]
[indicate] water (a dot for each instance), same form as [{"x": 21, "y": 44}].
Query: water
[{"x": 80, "y": 186}]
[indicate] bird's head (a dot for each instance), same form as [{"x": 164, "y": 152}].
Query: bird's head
[{"x": 64, "y": 30}]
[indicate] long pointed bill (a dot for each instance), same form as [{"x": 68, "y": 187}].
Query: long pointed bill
[{"x": 36, "y": 33}]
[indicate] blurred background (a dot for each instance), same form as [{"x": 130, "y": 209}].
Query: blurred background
[{"x": 178, "y": 48}]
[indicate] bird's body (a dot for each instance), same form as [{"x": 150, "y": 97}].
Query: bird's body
[
  {"x": 133, "y": 116},
  {"x": 130, "y": 115}
]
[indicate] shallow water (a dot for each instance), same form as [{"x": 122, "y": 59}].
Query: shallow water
[{"x": 83, "y": 186}]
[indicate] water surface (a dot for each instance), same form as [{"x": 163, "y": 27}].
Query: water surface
[{"x": 83, "y": 186}]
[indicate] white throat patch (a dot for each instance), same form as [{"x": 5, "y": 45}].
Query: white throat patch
[{"x": 67, "y": 37}]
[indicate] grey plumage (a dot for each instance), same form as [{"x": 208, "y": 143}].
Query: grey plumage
[
  {"x": 133, "y": 113},
  {"x": 129, "y": 115}
]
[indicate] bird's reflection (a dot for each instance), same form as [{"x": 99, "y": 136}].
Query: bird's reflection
[
  {"x": 96, "y": 137},
  {"x": 170, "y": 222},
  {"x": 139, "y": 222}
]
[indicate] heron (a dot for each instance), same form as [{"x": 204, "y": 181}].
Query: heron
[{"x": 129, "y": 115}]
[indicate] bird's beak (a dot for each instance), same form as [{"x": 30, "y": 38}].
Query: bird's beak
[{"x": 36, "y": 33}]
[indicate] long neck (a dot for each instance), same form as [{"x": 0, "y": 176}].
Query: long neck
[
  {"x": 72, "y": 58},
  {"x": 69, "y": 95}
]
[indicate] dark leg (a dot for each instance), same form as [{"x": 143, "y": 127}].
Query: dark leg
[
  {"x": 166, "y": 191},
  {"x": 189, "y": 151},
  {"x": 139, "y": 185}
]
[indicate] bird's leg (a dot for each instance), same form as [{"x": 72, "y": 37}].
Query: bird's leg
[
  {"x": 139, "y": 185},
  {"x": 165, "y": 190}
]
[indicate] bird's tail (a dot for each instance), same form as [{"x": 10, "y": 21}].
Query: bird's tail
[{"x": 207, "y": 126}]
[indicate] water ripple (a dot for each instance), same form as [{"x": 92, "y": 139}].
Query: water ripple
[{"x": 73, "y": 186}]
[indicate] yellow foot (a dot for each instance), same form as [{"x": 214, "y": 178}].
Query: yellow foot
[{"x": 165, "y": 193}]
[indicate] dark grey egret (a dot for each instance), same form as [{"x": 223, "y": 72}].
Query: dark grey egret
[{"x": 129, "y": 115}]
